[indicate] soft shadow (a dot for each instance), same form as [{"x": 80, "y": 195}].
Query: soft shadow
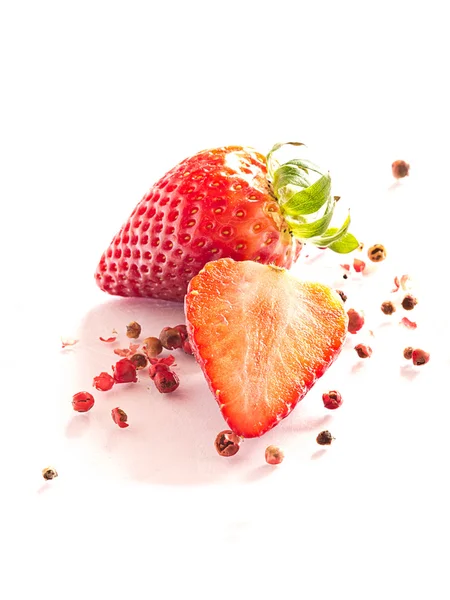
[
  {"x": 408, "y": 372},
  {"x": 170, "y": 439},
  {"x": 261, "y": 472},
  {"x": 77, "y": 426},
  {"x": 306, "y": 424},
  {"x": 358, "y": 366},
  {"x": 318, "y": 454}
]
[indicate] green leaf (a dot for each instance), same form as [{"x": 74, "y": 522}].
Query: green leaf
[
  {"x": 309, "y": 200},
  {"x": 333, "y": 234},
  {"x": 305, "y": 165},
  {"x": 288, "y": 175},
  {"x": 270, "y": 160},
  {"x": 309, "y": 230},
  {"x": 347, "y": 243}
]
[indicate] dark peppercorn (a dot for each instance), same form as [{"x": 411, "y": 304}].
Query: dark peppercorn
[
  {"x": 388, "y": 308},
  {"x": 409, "y": 302},
  {"x": 324, "y": 438}
]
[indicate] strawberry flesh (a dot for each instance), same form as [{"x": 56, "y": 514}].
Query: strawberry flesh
[{"x": 262, "y": 338}]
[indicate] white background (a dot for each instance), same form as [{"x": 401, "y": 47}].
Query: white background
[{"x": 98, "y": 100}]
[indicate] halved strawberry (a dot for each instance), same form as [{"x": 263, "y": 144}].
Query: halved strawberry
[
  {"x": 262, "y": 338},
  {"x": 225, "y": 202}
]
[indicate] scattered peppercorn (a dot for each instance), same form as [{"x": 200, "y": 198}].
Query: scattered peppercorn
[
  {"x": 359, "y": 265},
  {"x": 324, "y": 438},
  {"x": 274, "y": 455},
  {"x": 83, "y": 401},
  {"x": 139, "y": 361},
  {"x": 182, "y": 330},
  {"x": 420, "y": 357},
  {"x": 124, "y": 371},
  {"x": 133, "y": 330},
  {"x": 49, "y": 473},
  {"x": 363, "y": 351},
  {"x": 409, "y": 302},
  {"x": 400, "y": 169},
  {"x": 166, "y": 381},
  {"x": 376, "y": 253},
  {"x": 408, "y": 352},
  {"x": 103, "y": 382},
  {"x": 160, "y": 364},
  {"x": 227, "y": 443},
  {"x": 355, "y": 320},
  {"x": 187, "y": 347},
  {"x": 332, "y": 400},
  {"x": 342, "y": 295},
  {"x": 388, "y": 308},
  {"x": 119, "y": 417},
  {"x": 345, "y": 276},
  {"x": 152, "y": 346},
  {"x": 170, "y": 338}
]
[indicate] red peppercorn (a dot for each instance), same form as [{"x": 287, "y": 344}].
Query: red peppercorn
[
  {"x": 83, "y": 401},
  {"x": 420, "y": 357},
  {"x": 227, "y": 443},
  {"x": 359, "y": 265},
  {"x": 408, "y": 352},
  {"x": 160, "y": 364},
  {"x": 355, "y": 320},
  {"x": 274, "y": 455},
  {"x": 166, "y": 381},
  {"x": 182, "y": 330},
  {"x": 187, "y": 347},
  {"x": 363, "y": 351},
  {"x": 103, "y": 382},
  {"x": 400, "y": 169},
  {"x": 332, "y": 399},
  {"x": 124, "y": 371},
  {"x": 119, "y": 417}
]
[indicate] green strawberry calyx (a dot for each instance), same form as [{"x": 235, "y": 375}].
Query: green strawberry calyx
[{"x": 304, "y": 195}]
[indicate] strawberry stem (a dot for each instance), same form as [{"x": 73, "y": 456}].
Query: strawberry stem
[{"x": 304, "y": 195}]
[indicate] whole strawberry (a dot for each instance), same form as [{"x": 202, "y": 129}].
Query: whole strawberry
[{"x": 226, "y": 202}]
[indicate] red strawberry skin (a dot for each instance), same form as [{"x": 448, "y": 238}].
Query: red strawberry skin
[
  {"x": 215, "y": 204},
  {"x": 262, "y": 338}
]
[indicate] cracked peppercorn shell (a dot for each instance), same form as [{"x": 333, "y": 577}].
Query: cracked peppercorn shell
[
  {"x": 342, "y": 295},
  {"x": 332, "y": 399},
  {"x": 355, "y": 321},
  {"x": 376, "y": 253},
  {"x": 409, "y": 302},
  {"x": 49, "y": 473},
  {"x": 363, "y": 351},
  {"x": 388, "y": 308},
  {"x": 227, "y": 443},
  {"x": 139, "y": 361},
  {"x": 420, "y": 357}
]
